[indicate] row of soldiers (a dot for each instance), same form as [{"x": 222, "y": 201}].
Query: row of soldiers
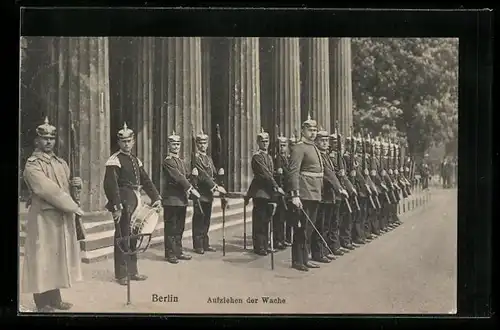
[{"x": 332, "y": 197}]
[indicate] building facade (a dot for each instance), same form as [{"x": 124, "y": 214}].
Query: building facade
[{"x": 89, "y": 86}]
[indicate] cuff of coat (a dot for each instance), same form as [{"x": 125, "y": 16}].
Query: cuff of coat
[
  {"x": 117, "y": 207},
  {"x": 189, "y": 190},
  {"x": 294, "y": 193},
  {"x": 373, "y": 173},
  {"x": 214, "y": 188}
]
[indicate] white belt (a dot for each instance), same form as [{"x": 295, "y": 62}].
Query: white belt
[{"x": 312, "y": 174}]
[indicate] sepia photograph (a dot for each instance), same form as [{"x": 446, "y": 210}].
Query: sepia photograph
[{"x": 230, "y": 175}]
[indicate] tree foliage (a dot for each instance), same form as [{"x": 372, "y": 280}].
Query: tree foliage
[{"x": 407, "y": 86}]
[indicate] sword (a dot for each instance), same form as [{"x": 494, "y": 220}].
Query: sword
[
  {"x": 316, "y": 229},
  {"x": 273, "y": 211},
  {"x": 245, "y": 224}
]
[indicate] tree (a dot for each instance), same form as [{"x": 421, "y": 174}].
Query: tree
[{"x": 409, "y": 86}]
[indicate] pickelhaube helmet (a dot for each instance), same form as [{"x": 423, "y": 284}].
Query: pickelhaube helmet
[
  {"x": 125, "y": 133},
  {"x": 322, "y": 133},
  {"x": 46, "y": 130},
  {"x": 262, "y": 136},
  {"x": 174, "y": 137},
  {"x": 308, "y": 123},
  {"x": 359, "y": 142},
  {"x": 201, "y": 137},
  {"x": 282, "y": 139},
  {"x": 293, "y": 139}
]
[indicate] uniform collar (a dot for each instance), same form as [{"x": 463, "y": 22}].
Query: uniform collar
[
  {"x": 171, "y": 154},
  {"x": 44, "y": 155},
  {"x": 306, "y": 141},
  {"x": 263, "y": 151}
]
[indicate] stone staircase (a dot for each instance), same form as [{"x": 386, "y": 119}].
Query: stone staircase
[{"x": 100, "y": 228}]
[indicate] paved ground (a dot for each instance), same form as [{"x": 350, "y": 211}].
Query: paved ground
[{"x": 411, "y": 269}]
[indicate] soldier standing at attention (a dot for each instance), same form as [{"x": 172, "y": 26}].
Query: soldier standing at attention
[
  {"x": 263, "y": 191},
  {"x": 123, "y": 180},
  {"x": 281, "y": 215},
  {"x": 176, "y": 191},
  {"x": 52, "y": 253},
  {"x": 207, "y": 187},
  {"x": 331, "y": 188},
  {"x": 305, "y": 184}
]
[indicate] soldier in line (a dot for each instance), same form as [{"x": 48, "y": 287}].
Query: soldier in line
[
  {"x": 305, "y": 183},
  {"x": 378, "y": 174},
  {"x": 176, "y": 190},
  {"x": 123, "y": 180},
  {"x": 356, "y": 177},
  {"x": 289, "y": 222},
  {"x": 385, "y": 165},
  {"x": 394, "y": 184},
  {"x": 52, "y": 252},
  {"x": 371, "y": 165},
  {"x": 207, "y": 187},
  {"x": 331, "y": 188},
  {"x": 345, "y": 214},
  {"x": 263, "y": 190},
  {"x": 282, "y": 210},
  {"x": 367, "y": 191}
]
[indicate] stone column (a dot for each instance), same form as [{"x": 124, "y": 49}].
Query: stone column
[
  {"x": 243, "y": 119},
  {"x": 286, "y": 85},
  {"x": 341, "y": 83},
  {"x": 183, "y": 90},
  {"x": 206, "y": 88},
  {"x": 85, "y": 80},
  {"x": 316, "y": 81},
  {"x": 143, "y": 112}
]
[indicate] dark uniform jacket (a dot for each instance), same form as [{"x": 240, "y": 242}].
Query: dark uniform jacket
[
  {"x": 125, "y": 172},
  {"x": 376, "y": 172},
  {"x": 341, "y": 171},
  {"x": 373, "y": 187},
  {"x": 176, "y": 187},
  {"x": 283, "y": 162},
  {"x": 358, "y": 180},
  {"x": 263, "y": 184},
  {"x": 331, "y": 184},
  {"x": 305, "y": 176},
  {"x": 206, "y": 176}
]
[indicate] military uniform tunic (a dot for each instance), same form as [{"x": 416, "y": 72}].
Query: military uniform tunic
[
  {"x": 123, "y": 180},
  {"x": 305, "y": 180},
  {"x": 206, "y": 188},
  {"x": 176, "y": 190},
  {"x": 262, "y": 190}
]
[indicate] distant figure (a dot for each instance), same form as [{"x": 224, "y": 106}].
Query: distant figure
[{"x": 446, "y": 173}]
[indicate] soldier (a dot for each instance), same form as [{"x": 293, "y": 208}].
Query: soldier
[
  {"x": 356, "y": 177},
  {"x": 396, "y": 189},
  {"x": 364, "y": 185},
  {"x": 52, "y": 252},
  {"x": 305, "y": 181},
  {"x": 377, "y": 174},
  {"x": 289, "y": 223},
  {"x": 263, "y": 190},
  {"x": 425, "y": 172},
  {"x": 123, "y": 180},
  {"x": 331, "y": 188},
  {"x": 207, "y": 187},
  {"x": 371, "y": 224},
  {"x": 176, "y": 191},
  {"x": 281, "y": 215}
]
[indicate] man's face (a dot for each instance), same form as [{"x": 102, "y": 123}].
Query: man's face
[
  {"x": 333, "y": 145},
  {"x": 202, "y": 146},
  {"x": 126, "y": 145},
  {"x": 283, "y": 147},
  {"x": 174, "y": 147},
  {"x": 46, "y": 144},
  {"x": 310, "y": 133},
  {"x": 322, "y": 144},
  {"x": 263, "y": 144}
]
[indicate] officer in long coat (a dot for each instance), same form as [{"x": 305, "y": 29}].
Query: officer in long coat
[
  {"x": 207, "y": 186},
  {"x": 176, "y": 190},
  {"x": 52, "y": 252},
  {"x": 264, "y": 191},
  {"x": 124, "y": 179},
  {"x": 331, "y": 188},
  {"x": 305, "y": 184}
]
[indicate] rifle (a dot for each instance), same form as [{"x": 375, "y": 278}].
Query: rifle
[
  {"x": 363, "y": 166},
  {"x": 194, "y": 172},
  {"x": 340, "y": 161},
  {"x": 279, "y": 170},
  {"x": 397, "y": 162},
  {"x": 223, "y": 200},
  {"x": 75, "y": 170},
  {"x": 352, "y": 165}
]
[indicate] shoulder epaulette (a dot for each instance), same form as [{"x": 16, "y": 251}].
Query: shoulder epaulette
[
  {"x": 114, "y": 160},
  {"x": 168, "y": 157},
  {"x": 139, "y": 162},
  {"x": 300, "y": 142},
  {"x": 32, "y": 158}
]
